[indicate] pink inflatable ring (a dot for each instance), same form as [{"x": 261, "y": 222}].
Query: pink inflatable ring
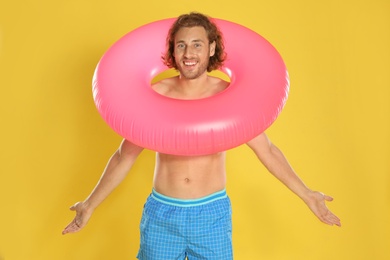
[{"x": 123, "y": 95}]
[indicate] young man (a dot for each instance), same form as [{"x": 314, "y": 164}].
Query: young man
[{"x": 188, "y": 213}]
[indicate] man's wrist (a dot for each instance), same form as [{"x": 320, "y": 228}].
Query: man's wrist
[
  {"x": 87, "y": 206},
  {"x": 307, "y": 195}
]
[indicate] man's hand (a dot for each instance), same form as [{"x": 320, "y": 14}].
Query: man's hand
[
  {"x": 81, "y": 219},
  {"x": 316, "y": 203}
]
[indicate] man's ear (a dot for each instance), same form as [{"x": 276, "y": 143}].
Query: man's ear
[{"x": 212, "y": 48}]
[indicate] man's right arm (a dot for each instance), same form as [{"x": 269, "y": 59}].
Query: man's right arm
[{"x": 115, "y": 172}]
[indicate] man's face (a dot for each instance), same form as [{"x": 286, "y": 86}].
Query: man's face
[{"x": 192, "y": 51}]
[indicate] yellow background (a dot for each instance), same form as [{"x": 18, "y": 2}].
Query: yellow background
[{"x": 334, "y": 129}]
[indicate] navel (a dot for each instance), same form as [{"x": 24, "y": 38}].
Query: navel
[{"x": 186, "y": 180}]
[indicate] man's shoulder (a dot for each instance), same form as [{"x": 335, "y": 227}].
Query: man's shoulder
[
  {"x": 165, "y": 85},
  {"x": 218, "y": 84}
]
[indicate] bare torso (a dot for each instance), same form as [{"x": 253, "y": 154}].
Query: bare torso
[{"x": 189, "y": 177}]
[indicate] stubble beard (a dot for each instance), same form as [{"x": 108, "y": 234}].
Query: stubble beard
[{"x": 193, "y": 74}]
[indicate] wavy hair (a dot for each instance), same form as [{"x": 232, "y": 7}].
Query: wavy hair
[{"x": 214, "y": 34}]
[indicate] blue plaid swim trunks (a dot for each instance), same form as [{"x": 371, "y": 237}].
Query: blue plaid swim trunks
[{"x": 173, "y": 229}]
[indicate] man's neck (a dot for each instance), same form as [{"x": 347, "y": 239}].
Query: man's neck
[{"x": 193, "y": 86}]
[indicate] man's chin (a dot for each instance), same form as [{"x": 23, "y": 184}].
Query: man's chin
[{"x": 190, "y": 75}]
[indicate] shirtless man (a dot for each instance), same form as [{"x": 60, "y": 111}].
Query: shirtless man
[{"x": 185, "y": 187}]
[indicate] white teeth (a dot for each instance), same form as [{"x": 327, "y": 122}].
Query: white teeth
[{"x": 189, "y": 63}]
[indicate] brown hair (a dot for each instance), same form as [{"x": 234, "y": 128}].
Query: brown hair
[{"x": 214, "y": 34}]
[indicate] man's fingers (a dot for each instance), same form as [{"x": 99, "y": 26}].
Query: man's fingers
[
  {"x": 335, "y": 220},
  {"x": 331, "y": 219},
  {"x": 71, "y": 228}
]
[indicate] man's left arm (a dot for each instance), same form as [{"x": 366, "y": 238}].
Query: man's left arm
[{"x": 277, "y": 164}]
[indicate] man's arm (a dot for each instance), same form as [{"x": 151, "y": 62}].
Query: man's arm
[
  {"x": 116, "y": 170},
  {"x": 277, "y": 164}
]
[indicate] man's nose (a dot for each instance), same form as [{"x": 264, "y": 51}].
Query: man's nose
[{"x": 188, "y": 52}]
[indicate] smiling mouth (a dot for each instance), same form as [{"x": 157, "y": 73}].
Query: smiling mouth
[{"x": 189, "y": 63}]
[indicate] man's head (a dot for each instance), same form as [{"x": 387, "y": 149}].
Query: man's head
[{"x": 213, "y": 36}]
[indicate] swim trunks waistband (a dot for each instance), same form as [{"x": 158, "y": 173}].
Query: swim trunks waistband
[{"x": 189, "y": 202}]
